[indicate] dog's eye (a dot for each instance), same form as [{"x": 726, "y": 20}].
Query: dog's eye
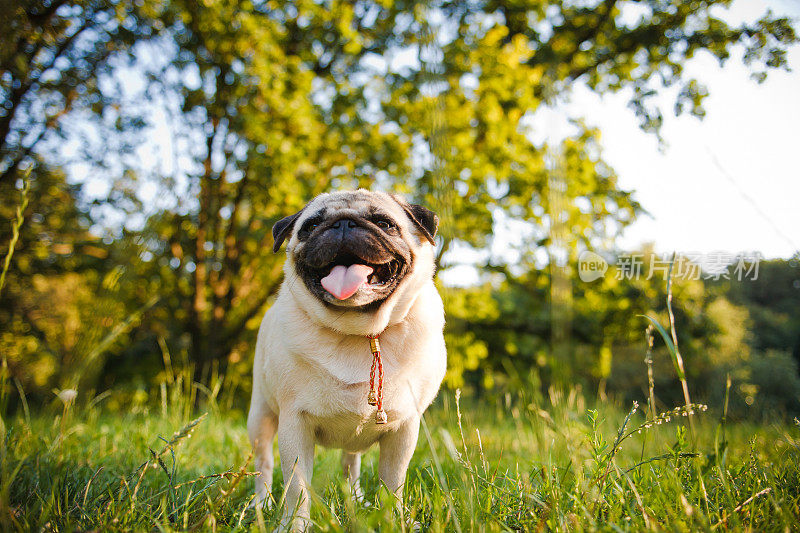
[
  {"x": 310, "y": 225},
  {"x": 384, "y": 224}
]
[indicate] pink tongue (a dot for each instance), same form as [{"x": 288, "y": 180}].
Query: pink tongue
[{"x": 343, "y": 282}]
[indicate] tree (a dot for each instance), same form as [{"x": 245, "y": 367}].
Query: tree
[
  {"x": 773, "y": 299},
  {"x": 501, "y": 61},
  {"x": 490, "y": 67},
  {"x": 246, "y": 77},
  {"x": 510, "y": 323},
  {"x": 59, "y": 300},
  {"x": 52, "y": 55},
  {"x": 273, "y": 102}
]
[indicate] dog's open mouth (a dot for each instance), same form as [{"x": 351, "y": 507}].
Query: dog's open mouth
[{"x": 345, "y": 276}]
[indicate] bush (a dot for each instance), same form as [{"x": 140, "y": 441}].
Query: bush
[{"x": 767, "y": 385}]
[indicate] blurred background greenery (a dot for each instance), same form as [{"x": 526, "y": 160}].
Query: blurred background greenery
[{"x": 163, "y": 138}]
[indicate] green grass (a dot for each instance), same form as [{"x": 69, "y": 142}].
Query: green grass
[{"x": 512, "y": 464}]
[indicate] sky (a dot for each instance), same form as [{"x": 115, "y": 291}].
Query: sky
[{"x": 729, "y": 182}]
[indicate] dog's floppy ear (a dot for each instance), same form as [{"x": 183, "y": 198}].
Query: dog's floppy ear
[
  {"x": 422, "y": 217},
  {"x": 282, "y": 229}
]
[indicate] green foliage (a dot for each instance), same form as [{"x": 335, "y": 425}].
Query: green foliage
[
  {"x": 513, "y": 320},
  {"x": 16, "y": 224},
  {"x": 774, "y": 380},
  {"x": 244, "y": 74},
  {"x": 772, "y": 301},
  {"x": 765, "y": 386},
  {"x": 60, "y": 298},
  {"x": 270, "y": 103},
  {"x": 53, "y": 55}
]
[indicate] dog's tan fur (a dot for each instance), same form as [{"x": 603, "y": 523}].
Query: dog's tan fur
[{"x": 312, "y": 366}]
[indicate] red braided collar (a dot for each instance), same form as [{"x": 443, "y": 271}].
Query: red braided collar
[{"x": 376, "y": 397}]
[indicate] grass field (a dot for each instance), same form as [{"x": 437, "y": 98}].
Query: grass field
[{"x": 513, "y": 463}]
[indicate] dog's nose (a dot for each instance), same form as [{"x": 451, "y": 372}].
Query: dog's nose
[
  {"x": 347, "y": 226},
  {"x": 345, "y": 223},
  {"x": 343, "y": 227}
]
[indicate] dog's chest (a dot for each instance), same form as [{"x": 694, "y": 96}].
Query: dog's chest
[
  {"x": 326, "y": 381},
  {"x": 338, "y": 412},
  {"x": 347, "y": 430},
  {"x": 349, "y": 422},
  {"x": 332, "y": 398}
]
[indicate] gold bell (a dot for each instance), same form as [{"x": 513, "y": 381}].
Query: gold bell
[
  {"x": 380, "y": 417},
  {"x": 371, "y": 398},
  {"x": 374, "y": 345}
]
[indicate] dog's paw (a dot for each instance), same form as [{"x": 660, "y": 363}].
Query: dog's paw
[
  {"x": 293, "y": 525},
  {"x": 358, "y": 496},
  {"x": 365, "y": 503}
]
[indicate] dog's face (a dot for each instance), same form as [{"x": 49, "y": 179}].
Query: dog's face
[{"x": 355, "y": 250}]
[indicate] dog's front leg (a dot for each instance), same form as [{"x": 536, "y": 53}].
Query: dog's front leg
[
  {"x": 261, "y": 426},
  {"x": 397, "y": 447},
  {"x": 296, "y": 446}
]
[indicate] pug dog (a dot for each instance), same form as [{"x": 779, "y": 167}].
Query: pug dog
[{"x": 358, "y": 278}]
